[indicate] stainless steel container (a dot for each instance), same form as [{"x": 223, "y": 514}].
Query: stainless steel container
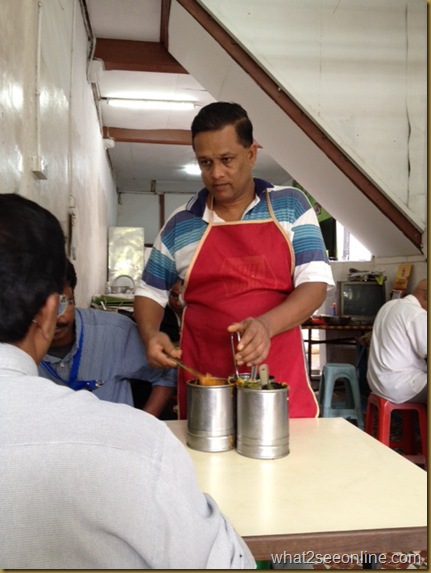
[
  {"x": 210, "y": 417},
  {"x": 262, "y": 422}
]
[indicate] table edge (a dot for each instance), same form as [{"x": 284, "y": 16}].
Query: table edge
[{"x": 405, "y": 539}]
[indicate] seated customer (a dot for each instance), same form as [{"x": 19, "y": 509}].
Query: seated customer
[
  {"x": 171, "y": 324},
  {"x": 101, "y": 351},
  {"x": 397, "y": 362},
  {"x": 84, "y": 483}
]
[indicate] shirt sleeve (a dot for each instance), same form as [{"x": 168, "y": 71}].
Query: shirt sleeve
[{"x": 299, "y": 220}]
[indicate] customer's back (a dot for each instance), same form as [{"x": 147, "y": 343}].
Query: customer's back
[
  {"x": 90, "y": 484},
  {"x": 397, "y": 366}
]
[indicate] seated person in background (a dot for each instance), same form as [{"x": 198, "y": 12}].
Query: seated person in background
[
  {"x": 397, "y": 361},
  {"x": 84, "y": 483},
  {"x": 101, "y": 351},
  {"x": 171, "y": 324}
]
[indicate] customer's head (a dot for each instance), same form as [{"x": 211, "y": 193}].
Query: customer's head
[
  {"x": 174, "y": 300},
  {"x": 65, "y": 326},
  {"x": 421, "y": 293},
  {"x": 218, "y": 115},
  {"x": 32, "y": 261}
]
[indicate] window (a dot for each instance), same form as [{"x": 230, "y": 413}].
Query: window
[{"x": 349, "y": 248}]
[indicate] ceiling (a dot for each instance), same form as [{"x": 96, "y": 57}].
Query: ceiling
[{"x": 148, "y": 149}]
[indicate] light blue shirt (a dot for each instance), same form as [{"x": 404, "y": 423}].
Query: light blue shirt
[
  {"x": 85, "y": 484},
  {"x": 112, "y": 352}
]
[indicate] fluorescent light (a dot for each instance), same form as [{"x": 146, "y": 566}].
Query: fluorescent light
[
  {"x": 192, "y": 169},
  {"x": 151, "y": 104}
]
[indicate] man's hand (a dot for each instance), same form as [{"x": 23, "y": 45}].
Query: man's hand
[
  {"x": 256, "y": 333},
  {"x": 255, "y": 342},
  {"x": 148, "y": 316},
  {"x": 159, "y": 347}
]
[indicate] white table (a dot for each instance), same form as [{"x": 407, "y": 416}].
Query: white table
[{"x": 339, "y": 490}]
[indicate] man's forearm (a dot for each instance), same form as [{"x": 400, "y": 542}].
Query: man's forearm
[
  {"x": 298, "y": 306},
  {"x": 148, "y": 315}
]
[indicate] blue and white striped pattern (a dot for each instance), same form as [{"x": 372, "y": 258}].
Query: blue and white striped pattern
[{"x": 177, "y": 242}]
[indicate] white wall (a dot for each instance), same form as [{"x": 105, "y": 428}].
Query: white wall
[
  {"x": 358, "y": 68},
  {"x": 61, "y": 126},
  {"x": 137, "y": 210},
  {"x": 140, "y": 211}
]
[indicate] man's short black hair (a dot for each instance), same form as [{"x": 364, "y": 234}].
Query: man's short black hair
[
  {"x": 32, "y": 263},
  {"x": 218, "y": 115}
]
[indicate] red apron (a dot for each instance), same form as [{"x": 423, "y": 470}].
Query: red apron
[{"x": 241, "y": 269}]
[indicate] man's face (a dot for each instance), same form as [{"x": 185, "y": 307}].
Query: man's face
[
  {"x": 65, "y": 325},
  {"x": 225, "y": 164},
  {"x": 174, "y": 298}
]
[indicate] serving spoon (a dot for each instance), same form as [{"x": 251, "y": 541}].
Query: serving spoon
[
  {"x": 264, "y": 376},
  {"x": 232, "y": 344},
  {"x": 204, "y": 379},
  {"x": 253, "y": 371}
]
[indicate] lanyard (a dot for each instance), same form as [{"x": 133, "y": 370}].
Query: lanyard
[{"x": 73, "y": 382}]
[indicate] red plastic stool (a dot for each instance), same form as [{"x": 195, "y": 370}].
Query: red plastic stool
[{"x": 384, "y": 409}]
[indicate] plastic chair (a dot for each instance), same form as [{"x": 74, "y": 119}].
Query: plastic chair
[
  {"x": 380, "y": 426},
  {"x": 351, "y": 409}
]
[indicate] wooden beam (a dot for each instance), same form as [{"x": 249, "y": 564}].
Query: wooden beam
[
  {"x": 163, "y": 136},
  {"x": 164, "y": 23},
  {"x": 304, "y": 122},
  {"x": 134, "y": 56},
  {"x": 161, "y": 210}
]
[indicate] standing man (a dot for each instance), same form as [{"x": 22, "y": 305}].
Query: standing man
[
  {"x": 252, "y": 258},
  {"x": 397, "y": 362},
  {"x": 101, "y": 352}
]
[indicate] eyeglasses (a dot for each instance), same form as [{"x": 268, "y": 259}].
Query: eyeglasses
[{"x": 63, "y": 303}]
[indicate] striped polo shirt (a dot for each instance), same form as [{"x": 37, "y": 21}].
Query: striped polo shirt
[{"x": 176, "y": 244}]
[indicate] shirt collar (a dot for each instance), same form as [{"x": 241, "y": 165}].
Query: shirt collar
[
  {"x": 17, "y": 360},
  {"x": 197, "y": 204},
  {"x": 412, "y": 299}
]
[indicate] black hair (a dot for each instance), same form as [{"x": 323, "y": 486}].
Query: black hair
[
  {"x": 70, "y": 279},
  {"x": 32, "y": 263},
  {"x": 218, "y": 115}
]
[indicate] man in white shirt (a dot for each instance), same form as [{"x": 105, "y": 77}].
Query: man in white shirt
[
  {"x": 85, "y": 483},
  {"x": 397, "y": 362}
]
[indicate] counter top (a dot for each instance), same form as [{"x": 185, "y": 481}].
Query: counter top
[{"x": 336, "y": 479}]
